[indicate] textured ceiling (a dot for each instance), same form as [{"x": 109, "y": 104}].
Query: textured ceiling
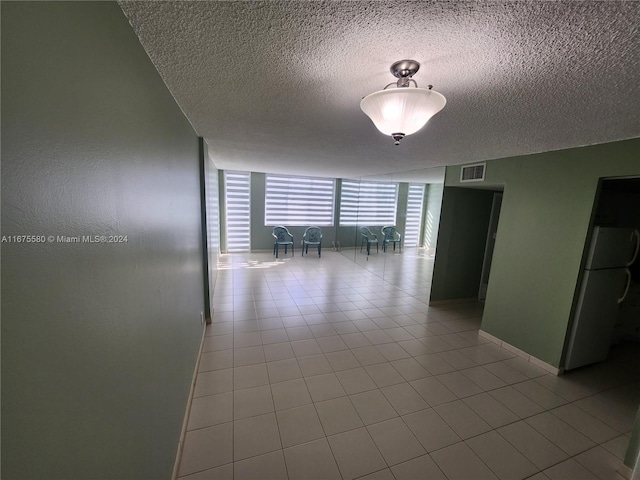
[{"x": 275, "y": 86}]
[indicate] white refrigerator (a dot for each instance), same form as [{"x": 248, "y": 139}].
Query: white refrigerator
[{"x": 605, "y": 284}]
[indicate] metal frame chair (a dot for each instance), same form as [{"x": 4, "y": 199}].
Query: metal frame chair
[
  {"x": 369, "y": 238},
  {"x": 283, "y": 237},
  {"x": 390, "y": 235},
  {"x": 312, "y": 236}
]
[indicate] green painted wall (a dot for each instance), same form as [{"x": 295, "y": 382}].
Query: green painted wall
[
  {"x": 99, "y": 341},
  {"x": 545, "y": 217},
  {"x": 462, "y": 236}
]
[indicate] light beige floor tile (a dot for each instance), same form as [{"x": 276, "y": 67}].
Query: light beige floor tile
[
  {"x": 419, "y": 468},
  {"x": 210, "y": 383},
  {"x": 289, "y": 394},
  {"x": 250, "y": 376},
  {"x": 483, "y": 378},
  {"x": 617, "y": 446},
  {"x": 490, "y": 410},
  {"x": 376, "y": 337},
  {"x": 380, "y": 475},
  {"x": 526, "y": 368},
  {"x": 248, "y": 339},
  {"x": 299, "y": 425},
  {"x": 338, "y": 415},
  {"x": 269, "y": 466},
  {"x": 460, "y": 385},
  {"x": 314, "y": 365},
  {"x": 458, "y": 462},
  {"x": 278, "y": 351},
  {"x": 503, "y": 459},
  {"x": 355, "y": 340},
  {"x": 395, "y": 441},
  {"x": 566, "y": 387},
  {"x": 345, "y": 327},
  {"x": 255, "y": 435},
  {"x": 464, "y": 421},
  {"x": 373, "y": 407},
  {"x": 283, "y": 370},
  {"x": 252, "y": 401},
  {"x": 368, "y": 355},
  {"x": 434, "y": 364},
  {"x": 355, "y": 380},
  {"x": 539, "y": 476},
  {"x": 504, "y": 372},
  {"x": 584, "y": 423},
  {"x": 533, "y": 445},
  {"x": 516, "y": 402},
  {"x": 614, "y": 413},
  {"x": 207, "y": 448},
  {"x": 356, "y": 453},
  {"x": 457, "y": 360},
  {"x": 271, "y": 323},
  {"x": 600, "y": 462},
  {"x": 433, "y": 391},
  {"x": 540, "y": 395},
  {"x": 311, "y": 461},
  {"x": 431, "y": 430},
  {"x": 560, "y": 433},
  {"x": 217, "y": 360},
  {"x": 332, "y": 344},
  {"x": 342, "y": 360},
  {"x": 396, "y": 333},
  {"x": 569, "y": 470},
  {"x": 277, "y": 335},
  {"x": 210, "y": 410},
  {"x": 248, "y": 356},
  {"x": 224, "y": 472},
  {"x": 410, "y": 369},
  {"x": 217, "y": 342},
  {"x": 392, "y": 351},
  {"x": 299, "y": 333},
  {"x": 324, "y": 387},
  {"x": 404, "y": 398},
  {"x": 324, "y": 330},
  {"x": 384, "y": 375},
  {"x": 414, "y": 347},
  {"x": 304, "y": 348}
]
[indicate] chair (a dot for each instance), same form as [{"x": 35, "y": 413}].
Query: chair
[
  {"x": 283, "y": 237},
  {"x": 369, "y": 238},
  {"x": 391, "y": 236},
  {"x": 312, "y": 236}
]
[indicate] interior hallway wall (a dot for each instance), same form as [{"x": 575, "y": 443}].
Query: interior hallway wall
[
  {"x": 99, "y": 340},
  {"x": 544, "y": 221}
]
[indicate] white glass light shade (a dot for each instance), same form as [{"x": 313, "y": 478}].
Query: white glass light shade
[{"x": 402, "y": 110}]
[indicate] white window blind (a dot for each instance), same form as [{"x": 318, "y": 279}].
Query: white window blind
[
  {"x": 368, "y": 203},
  {"x": 237, "y": 191},
  {"x": 415, "y": 202},
  {"x": 299, "y": 201}
]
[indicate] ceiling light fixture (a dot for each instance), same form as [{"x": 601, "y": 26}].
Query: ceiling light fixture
[{"x": 402, "y": 110}]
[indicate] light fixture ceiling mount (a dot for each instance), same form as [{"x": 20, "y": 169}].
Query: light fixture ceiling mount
[{"x": 402, "y": 110}]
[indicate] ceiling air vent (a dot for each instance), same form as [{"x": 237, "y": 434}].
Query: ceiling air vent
[{"x": 472, "y": 173}]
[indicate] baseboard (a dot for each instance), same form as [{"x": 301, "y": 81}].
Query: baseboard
[
  {"x": 521, "y": 353},
  {"x": 453, "y": 301},
  {"x": 185, "y": 421}
]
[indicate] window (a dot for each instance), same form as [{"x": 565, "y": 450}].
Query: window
[
  {"x": 415, "y": 201},
  {"x": 238, "y": 207},
  {"x": 368, "y": 203},
  {"x": 298, "y": 201}
]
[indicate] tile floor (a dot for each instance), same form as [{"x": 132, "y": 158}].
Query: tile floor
[{"x": 338, "y": 369}]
